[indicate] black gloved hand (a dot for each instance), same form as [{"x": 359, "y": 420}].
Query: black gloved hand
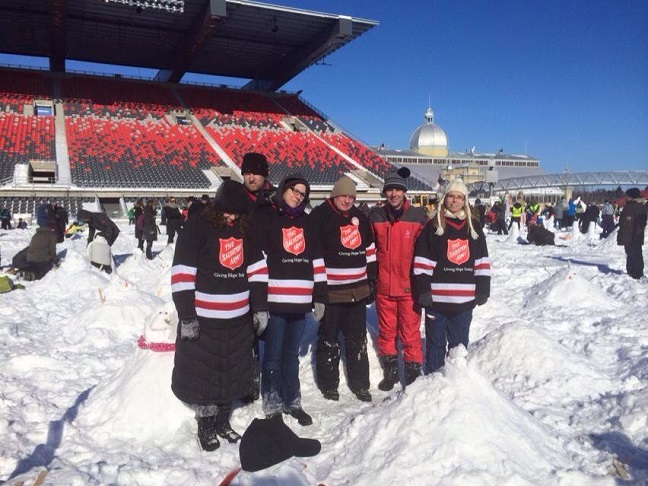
[
  {"x": 481, "y": 299},
  {"x": 372, "y": 292},
  {"x": 425, "y": 300},
  {"x": 189, "y": 329}
]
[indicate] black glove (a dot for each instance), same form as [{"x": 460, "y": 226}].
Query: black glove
[
  {"x": 481, "y": 299},
  {"x": 372, "y": 293},
  {"x": 189, "y": 329},
  {"x": 425, "y": 300}
]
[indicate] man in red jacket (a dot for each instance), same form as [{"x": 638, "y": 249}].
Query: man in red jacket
[{"x": 396, "y": 225}]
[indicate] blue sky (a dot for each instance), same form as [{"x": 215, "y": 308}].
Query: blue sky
[{"x": 565, "y": 81}]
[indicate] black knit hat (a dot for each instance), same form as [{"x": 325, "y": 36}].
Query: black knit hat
[
  {"x": 633, "y": 193},
  {"x": 395, "y": 179},
  {"x": 254, "y": 163},
  {"x": 267, "y": 442},
  {"x": 231, "y": 197}
]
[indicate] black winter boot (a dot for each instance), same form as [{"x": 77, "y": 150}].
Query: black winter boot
[
  {"x": 390, "y": 372},
  {"x": 302, "y": 417},
  {"x": 207, "y": 433},
  {"x": 412, "y": 372},
  {"x": 331, "y": 395},
  {"x": 223, "y": 427}
]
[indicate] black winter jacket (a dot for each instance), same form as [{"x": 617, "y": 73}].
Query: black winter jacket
[
  {"x": 101, "y": 223},
  {"x": 296, "y": 272},
  {"x": 219, "y": 277},
  {"x": 453, "y": 267},
  {"x": 632, "y": 222},
  {"x": 349, "y": 251}
]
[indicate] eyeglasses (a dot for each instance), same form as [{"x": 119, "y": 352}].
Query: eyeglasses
[
  {"x": 458, "y": 197},
  {"x": 298, "y": 193}
]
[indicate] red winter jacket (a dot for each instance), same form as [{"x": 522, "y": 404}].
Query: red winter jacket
[{"x": 395, "y": 239}]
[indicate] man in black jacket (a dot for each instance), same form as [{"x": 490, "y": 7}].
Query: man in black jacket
[
  {"x": 350, "y": 258},
  {"x": 632, "y": 224},
  {"x": 255, "y": 170}
]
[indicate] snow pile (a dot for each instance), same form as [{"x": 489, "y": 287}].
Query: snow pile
[{"x": 552, "y": 389}]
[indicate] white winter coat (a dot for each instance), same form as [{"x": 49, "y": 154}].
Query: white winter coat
[{"x": 98, "y": 251}]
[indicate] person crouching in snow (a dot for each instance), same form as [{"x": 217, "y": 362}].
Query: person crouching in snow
[
  {"x": 540, "y": 236},
  {"x": 34, "y": 261},
  {"x": 218, "y": 275},
  {"x": 451, "y": 274},
  {"x": 99, "y": 253}
]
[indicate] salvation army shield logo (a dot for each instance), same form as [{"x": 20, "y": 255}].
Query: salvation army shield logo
[
  {"x": 293, "y": 240},
  {"x": 350, "y": 237},
  {"x": 230, "y": 254},
  {"x": 458, "y": 251}
]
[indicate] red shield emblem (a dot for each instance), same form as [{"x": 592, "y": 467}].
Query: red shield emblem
[
  {"x": 293, "y": 240},
  {"x": 458, "y": 251},
  {"x": 230, "y": 254},
  {"x": 350, "y": 237}
]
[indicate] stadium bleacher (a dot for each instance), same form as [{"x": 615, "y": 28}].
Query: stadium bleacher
[{"x": 131, "y": 134}]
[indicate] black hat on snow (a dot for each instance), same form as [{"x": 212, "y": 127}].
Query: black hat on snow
[{"x": 267, "y": 442}]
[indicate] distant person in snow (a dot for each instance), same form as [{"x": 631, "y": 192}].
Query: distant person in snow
[
  {"x": 99, "y": 253},
  {"x": 540, "y": 236},
  {"x": 149, "y": 228},
  {"x": 40, "y": 256},
  {"x": 173, "y": 219},
  {"x": 607, "y": 219},
  {"x": 98, "y": 222},
  {"x": 5, "y": 217},
  {"x": 632, "y": 224},
  {"x": 138, "y": 208},
  {"x": 62, "y": 220},
  {"x": 219, "y": 284}
]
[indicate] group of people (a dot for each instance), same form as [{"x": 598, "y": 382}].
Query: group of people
[
  {"x": 254, "y": 263},
  {"x": 6, "y": 219},
  {"x": 144, "y": 215},
  {"x": 631, "y": 223}
]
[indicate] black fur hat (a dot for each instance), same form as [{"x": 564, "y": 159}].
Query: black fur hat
[
  {"x": 231, "y": 197},
  {"x": 254, "y": 163}
]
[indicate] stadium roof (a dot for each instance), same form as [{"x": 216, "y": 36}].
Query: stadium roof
[{"x": 267, "y": 44}]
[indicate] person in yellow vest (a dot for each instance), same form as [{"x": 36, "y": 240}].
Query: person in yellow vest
[
  {"x": 532, "y": 211},
  {"x": 516, "y": 214}
]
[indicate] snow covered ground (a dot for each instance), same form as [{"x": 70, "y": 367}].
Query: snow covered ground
[{"x": 552, "y": 390}]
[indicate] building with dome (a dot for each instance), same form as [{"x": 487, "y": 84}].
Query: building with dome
[
  {"x": 430, "y": 158},
  {"x": 429, "y": 138}
]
